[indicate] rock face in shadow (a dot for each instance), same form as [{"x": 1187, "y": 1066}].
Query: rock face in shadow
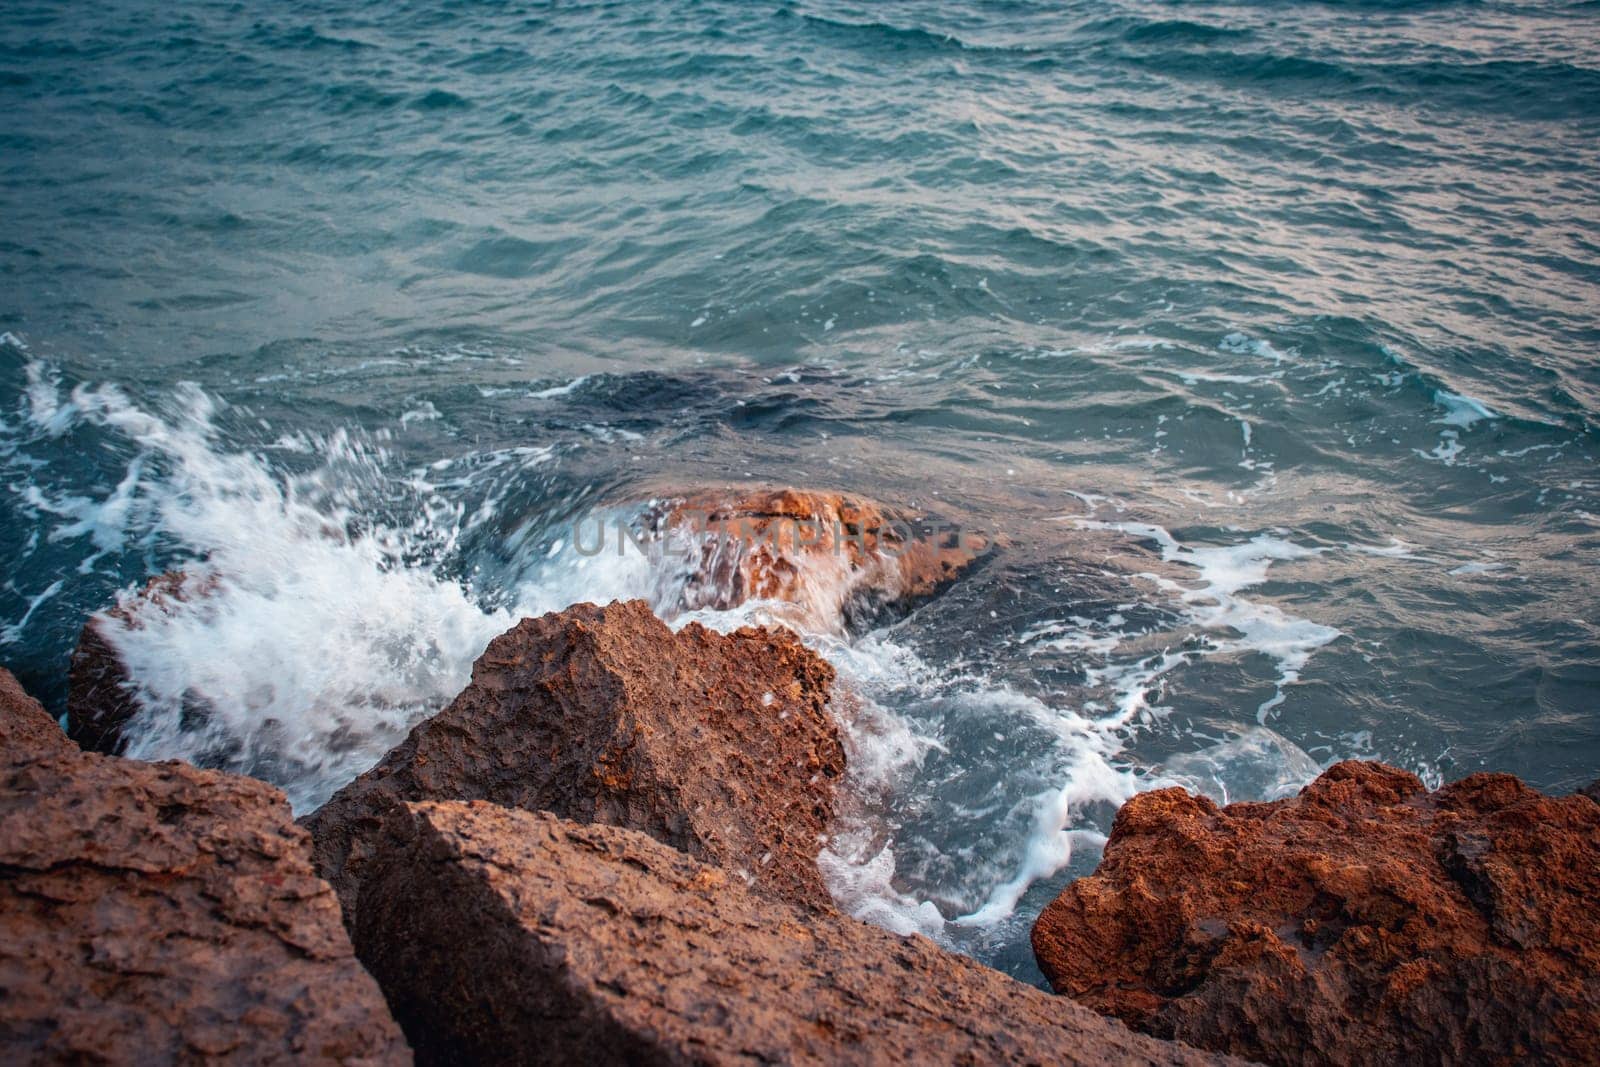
[
  {"x": 99, "y": 703},
  {"x": 1365, "y": 921},
  {"x": 155, "y": 913},
  {"x": 503, "y": 936},
  {"x": 832, "y": 558},
  {"x": 721, "y": 746}
]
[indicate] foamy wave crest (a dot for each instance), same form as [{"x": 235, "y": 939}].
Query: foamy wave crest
[{"x": 313, "y": 637}]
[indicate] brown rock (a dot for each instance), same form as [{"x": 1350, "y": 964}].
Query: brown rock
[
  {"x": 27, "y": 732},
  {"x": 99, "y": 701},
  {"x": 1365, "y": 921},
  {"x": 831, "y": 556},
  {"x": 718, "y": 745},
  {"x": 506, "y": 936},
  {"x": 155, "y": 913}
]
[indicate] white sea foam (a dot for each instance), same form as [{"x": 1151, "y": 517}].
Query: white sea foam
[
  {"x": 1259, "y": 764},
  {"x": 1461, "y": 410},
  {"x": 560, "y": 390},
  {"x": 1243, "y": 344}
]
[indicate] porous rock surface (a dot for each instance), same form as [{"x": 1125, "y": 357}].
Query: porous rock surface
[
  {"x": 833, "y": 557},
  {"x": 155, "y": 913},
  {"x": 27, "y": 732},
  {"x": 719, "y": 745},
  {"x": 1364, "y": 921},
  {"x": 512, "y": 936}
]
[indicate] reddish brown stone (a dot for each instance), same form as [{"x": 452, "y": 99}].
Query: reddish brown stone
[
  {"x": 829, "y": 554},
  {"x": 508, "y": 936},
  {"x": 1365, "y": 921},
  {"x": 155, "y": 913},
  {"x": 719, "y": 745},
  {"x": 27, "y": 732}
]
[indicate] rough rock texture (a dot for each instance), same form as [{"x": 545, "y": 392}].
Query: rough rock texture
[
  {"x": 718, "y": 745},
  {"x": 155, "y": 913},
  {"x": 834, "y": 557},
  {"x": 99, "y": 703},
  {"x": 508, "y": 936},
  {"x": 27, "y": 732},
  {"x": 1366, "y": 921}
]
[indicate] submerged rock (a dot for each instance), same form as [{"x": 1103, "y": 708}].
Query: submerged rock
[
  {"x": 1365, "y": 921},
  {"x": 720, "y": 745},
  {"x": 156, "y": 913},
  {"x": 502, "y": 936},
  {"x": 833, "y": 559}
]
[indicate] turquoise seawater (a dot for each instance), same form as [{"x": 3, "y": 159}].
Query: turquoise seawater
[{"x": 1265, "y": 335}]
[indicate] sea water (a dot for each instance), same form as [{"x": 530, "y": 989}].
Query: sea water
[{"x": 1261, "y": 336}]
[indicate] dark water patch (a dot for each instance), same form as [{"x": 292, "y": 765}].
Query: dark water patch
[{"x": 441, "y": 100}]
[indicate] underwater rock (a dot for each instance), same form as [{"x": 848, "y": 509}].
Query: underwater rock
[
  {"x": 1364, "y": 921},
  {"x": 156, "y": 913},
  {"x": 834, "y": 559},
  {"x": 99, "y": 701},
  {"x": 497, "y": 932},
  {"x": 720, "y": 745}
]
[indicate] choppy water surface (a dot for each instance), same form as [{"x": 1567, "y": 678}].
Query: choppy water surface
[{"x": 1265, "y": 334}]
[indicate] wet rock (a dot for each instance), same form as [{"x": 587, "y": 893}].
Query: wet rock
[
  {"x": 720, "y": 745},
  {"x": 1365, "y": 921},
  {"x": 155, "y": 913},
  {"x": 505, "y": 935},
  {"x": 835, "y": 559},
  {"x": 99, "y": 700}
]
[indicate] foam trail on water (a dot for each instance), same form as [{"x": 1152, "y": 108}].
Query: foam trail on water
[{"x": 1091, "y": 738}]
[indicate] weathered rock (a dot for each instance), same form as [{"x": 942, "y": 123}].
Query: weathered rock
[
  {"x": 507, "y": 936},
  {"x": 155, "y": 913},
  {"x": 27, "y": 732},
  {"x": 99, "y": 700},
  {"x": 832, "y": 557},
  {"x": 1366, "y": 921},
  {"x": 718, "y": 745}
]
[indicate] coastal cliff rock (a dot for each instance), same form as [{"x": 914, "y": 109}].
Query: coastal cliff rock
[
  {"x": 833, "y": 557},
  {"x": 99, "y": 703},
  {"x": 27, "y": 732},
  {"x": 720, "y": 745},
  {"x": 155, "y": 913},
  {"x": 502, "y": 936},
  {"x": 1365, "y": 921}
]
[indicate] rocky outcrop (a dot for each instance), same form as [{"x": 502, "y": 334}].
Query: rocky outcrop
[
  {"x": 835, "y": 559},
  {"x": 99, "y": 700},
  {"x": 502, "y": 936},
  {"x": 1365, "y": 921},
  {"x": 155, "y": 913},
  {"x": 27, "y": 732},
  {"x": 720, "y": 745}
]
